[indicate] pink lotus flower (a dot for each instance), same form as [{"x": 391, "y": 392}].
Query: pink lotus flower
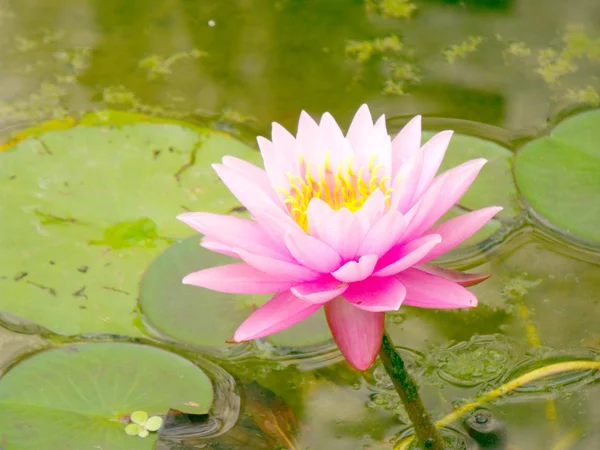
[{"x": 341, "y": 222}]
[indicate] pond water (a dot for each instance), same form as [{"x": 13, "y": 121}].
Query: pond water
[{"x": 111, "y": 113}]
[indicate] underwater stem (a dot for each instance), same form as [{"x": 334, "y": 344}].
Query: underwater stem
[{"x": 426, "y": 432}]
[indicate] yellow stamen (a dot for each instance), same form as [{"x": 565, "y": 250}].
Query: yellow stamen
[{"x": 340, "y": 187}]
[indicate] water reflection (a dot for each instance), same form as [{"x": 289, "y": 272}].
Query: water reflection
[{"x": 270, "y": 59}]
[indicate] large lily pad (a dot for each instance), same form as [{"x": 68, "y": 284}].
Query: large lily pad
[
  {"x": 205, "y": 318},
  {"x": 91, "y": 206},
  {"x": 79, "y": 397},
  {"x": 559, "y": 175}
]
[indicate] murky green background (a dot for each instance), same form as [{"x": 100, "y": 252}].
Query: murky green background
[{"x": 237, "y": 65}]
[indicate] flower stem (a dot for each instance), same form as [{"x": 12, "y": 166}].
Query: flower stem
[{"x": 426, "y": 433}]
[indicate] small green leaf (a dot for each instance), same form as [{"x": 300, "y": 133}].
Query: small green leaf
[
  {"x": 139, "y": 417},
  {"x": 154, "y": 423},
  {"x": 133, "y": 429},
  {"x": 144, "y": 433}
]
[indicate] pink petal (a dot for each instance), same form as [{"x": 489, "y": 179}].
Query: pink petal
[
  {"x": 373, "y": 208},
  {"x": 277, "y": 163},
  {"x": 344, "y": 232},
  {"x": 376, "y": 294},
  {"x": 462, "y": 278},
  {"x": 309, "y": 138},
  {"x": 405, "y": 183},
  {"x": 433, "y": 154},
  {"x": 445, "y": 191},
  {"x": 456, "y": 230},
  {"x": 354, "y": 271},
  {"x": 239, "y": 278},
  {"x": 256, "y": 201},
  {"x": 420, "y": 210},
  {"x": 319, "y": 214},
  {"x": 410, "y": 215},
  {"x": 383, "y": 235},
  {"x": 283, "y": 140},
  {"x": 358, "y": 333},
  {"x": 331, "y": 132},
  {"x": 256, "y": 174},
  {"x": 381, "y": 146},
  {"x": 277, "y": 267},
  {"x": 406, "y": 144},
  {"x": 407, "y": 255},
  {"x": 312, "y": 253},
  {"x": 307, "y": 128},
  {"x": 429, "y": 291},
  {"x": 279, "y": 313},
  {"x": 321, "y": 290},
  {"x": 361, "y": 126},
  {"x": 234, "y": 231},
  {"x": 218, "y": 247}
]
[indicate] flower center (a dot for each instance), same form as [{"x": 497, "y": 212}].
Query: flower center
[{"x": 339, "y": 188}]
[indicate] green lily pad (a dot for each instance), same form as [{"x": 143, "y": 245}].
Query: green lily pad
[
  {"x": 190, "y": 314},
  {"x": 484, "y": 233},
  {"x": 205, "y": 318},
  {"x": 559, "y": 175},
  {"x": 81, "y": 396},
  {"x": 90, "y": 207}
]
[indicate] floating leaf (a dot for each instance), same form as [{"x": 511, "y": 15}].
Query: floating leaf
[
  {"x": 202, "y": 317},
  {"x": 139, "y": 417},
  {"x": 76, "y": 397},
  {"x": 272, "y": 415},
  {"x": 154, "y": 423},
  {"x": 187, "y": 313},
  {"x": 133, "y": 429},
  {"x": 91, "y": 206},
  {"x": 559, "y": 175}
]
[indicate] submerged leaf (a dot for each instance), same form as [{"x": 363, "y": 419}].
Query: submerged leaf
[{"x": 272, "y": 415}]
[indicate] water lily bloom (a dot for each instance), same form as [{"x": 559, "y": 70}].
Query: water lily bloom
[{"x": 347, "y": 223}]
